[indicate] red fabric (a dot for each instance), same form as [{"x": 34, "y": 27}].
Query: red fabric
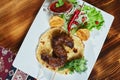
[
  {"x": 7, "y": 71},
  {"x": 6, "y": 59}
]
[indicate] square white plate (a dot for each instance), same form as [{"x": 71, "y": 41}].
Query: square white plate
[{"x": 26, "y": 58}]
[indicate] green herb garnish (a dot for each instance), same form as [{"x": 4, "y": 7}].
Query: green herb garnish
[
  {"x": 73, "y": 1},
  {"x": 95, "y": 18},
  {"x": 78, "y": 65},
  {"x": 59, "y": 3}
]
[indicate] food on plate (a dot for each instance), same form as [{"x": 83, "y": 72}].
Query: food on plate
[
  {"x": 73, "y": 18},
  {"x": 60, "y": 6},
  {"x": 61, "y": 48},
  {"x": 86, "y": 17},
  {"x": 83, "y": 34},
  {"x": 95, "y": 18},
  {"x": 57, "y": 48},
  {"x": 56, "y": 21}
]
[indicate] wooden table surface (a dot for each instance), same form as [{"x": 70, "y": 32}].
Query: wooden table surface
[{"x": 16, "y": 17}]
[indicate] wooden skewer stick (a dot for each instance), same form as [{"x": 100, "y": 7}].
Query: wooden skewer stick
[{"x": 52, "y": 78}]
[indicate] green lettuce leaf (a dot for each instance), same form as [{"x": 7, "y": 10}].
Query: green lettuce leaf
[
  {"x": 93, "y": 16},
  {"x": 77, "y": 65}
]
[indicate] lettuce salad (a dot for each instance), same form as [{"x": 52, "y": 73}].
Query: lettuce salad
[{"x": 93, "y": 19}]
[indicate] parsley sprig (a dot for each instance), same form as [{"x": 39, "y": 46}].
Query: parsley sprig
[
  {"x": 59, "y": 3},
  {"x": 77, "y": 65}
]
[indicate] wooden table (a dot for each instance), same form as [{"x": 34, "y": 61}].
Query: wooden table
[{"x": 16, "y": 16}]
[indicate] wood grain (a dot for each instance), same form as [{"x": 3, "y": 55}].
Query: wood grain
[{"x": 16, "y": 16}]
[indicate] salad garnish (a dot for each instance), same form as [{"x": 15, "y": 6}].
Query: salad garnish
[
  {"x": 88, "y": 18},
  {"x": 95, "y": 18},
  {"x": 77, "y": 65},
  {"x": 72, "y": 20},
  {"x": 74, "y": 17}
]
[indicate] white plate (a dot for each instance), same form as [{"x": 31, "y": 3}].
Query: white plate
[{"x": 26, "y": 59}]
